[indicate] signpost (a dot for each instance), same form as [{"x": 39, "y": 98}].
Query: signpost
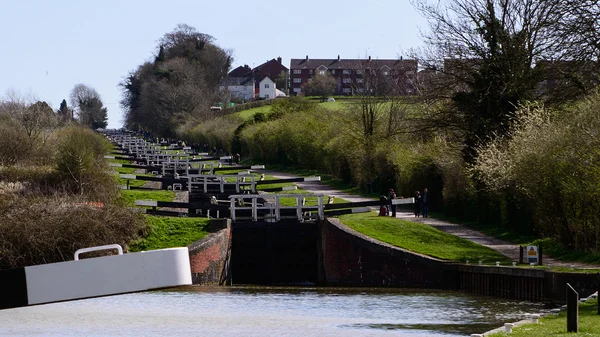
[{"x": 532, "y": 254}]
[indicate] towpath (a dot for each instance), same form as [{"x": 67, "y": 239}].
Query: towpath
[{"x": 503, "y": 247}]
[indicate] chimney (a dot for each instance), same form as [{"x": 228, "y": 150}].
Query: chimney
[
  {"x": 307, "y": 57},
  {"x": 369, "y": 58},
  {"x": 338, "y": 58},
  {"x": 279, "y": 59}
]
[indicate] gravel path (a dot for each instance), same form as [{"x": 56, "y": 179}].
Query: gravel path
[{"x": 503, "y": 247}]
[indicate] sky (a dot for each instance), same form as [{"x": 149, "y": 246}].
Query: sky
[{"x": 49, "y": 46}]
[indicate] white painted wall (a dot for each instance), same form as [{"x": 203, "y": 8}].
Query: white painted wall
[
  {"x": 242, "y": 91},
  {"x": 108, "y": 275},
  {"x": 267, "y": 88}
]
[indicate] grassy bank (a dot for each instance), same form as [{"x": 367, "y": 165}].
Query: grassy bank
[
  {"x": 589, "y": 324},
  {"x": 421, "y": 238},
  {"x": 165, "y": 232}
]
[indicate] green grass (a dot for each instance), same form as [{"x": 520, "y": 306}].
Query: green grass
[
  {"x": 421, "y": 238},
  {"x": 550, "y": 247},
  {"x": 166, "y": 232},
  {"x": 130, "y": 196},
  {"x": 589, "y": 324},
  {"x": 559, "y": 252},
  {"x": 249, "y": 114}
]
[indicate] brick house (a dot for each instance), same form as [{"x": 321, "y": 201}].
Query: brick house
[
  {"x": 243, "y": 75},
  {"x": 351, "y": 75}
]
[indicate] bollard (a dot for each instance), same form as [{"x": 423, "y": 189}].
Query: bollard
[
  {"x": 572, "y": 309},
  {"x": 508, "y": 327},
  {"x": 520, "y": 254},
  {"x": 480, "y": 263},
  {"x": 514, "y": 264},
  {"x": 535, "y": 318},
  {"x": 549, "y": 266},
  {"x": 572, "y": 267},
  {"x": 467, "y": 261},
  {"x": 497, "y": 263},
  {"x": 532, "y": 265}
]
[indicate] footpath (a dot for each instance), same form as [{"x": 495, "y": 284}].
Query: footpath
[{"x": 503, "y": 247}]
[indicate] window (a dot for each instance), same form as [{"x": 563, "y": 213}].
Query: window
[
  {"x": 360, "y": 90},
  {"x": 346, "y": 71},
  {"x": 347, "y": 90},
  {"x": 267, "y": 96},
  {"x": 266, "y": 85},
  {"x": 297, "y": 80},
  {"x": 385, "y": 73},
  {"x": 297, "y": 89},
  {"x": 358, "y": 71},
  {"x": 310, "y": 72},
  {"x": 297, "y": 71},
  {"x": 333, "y": 71},
  {"x": 359, "y": 80},
  {"x": 347, "y": 80},
  {"x": 321, "y": 72}
]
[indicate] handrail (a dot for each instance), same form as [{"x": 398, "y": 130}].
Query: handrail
[{"x": 93, "y": 249}]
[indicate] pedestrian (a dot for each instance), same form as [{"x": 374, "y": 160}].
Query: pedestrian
[
  {"x": 425, "y": 202},
  {"x": 417, "y": 204},
  {"x": 237, "y": 158},
  {"x": 392, "y": 197},
  {"x": 383, "y": 210}
]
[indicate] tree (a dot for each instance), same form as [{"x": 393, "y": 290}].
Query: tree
[
  {"x": 484, "y": 52},
  {"x": 64, "y": 112},
  {"x": 178, "y": 85},
  {"x": 89, "y": 107},
  {"x": 282, "y": 81},
  {"x": 320, "y": 85}
]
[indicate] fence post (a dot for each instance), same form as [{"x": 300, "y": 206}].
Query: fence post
[
  {"x": 520, "y": 254},
  {"x": 572, "y": 309},
  {"x": 540, "y": 252}
]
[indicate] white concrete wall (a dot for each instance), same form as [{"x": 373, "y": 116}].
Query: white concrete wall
[
  {"x": 263, "y": 92},
  {"x": 108, "y": 275}
]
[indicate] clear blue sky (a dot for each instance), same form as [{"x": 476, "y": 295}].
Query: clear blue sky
[{"x": 48, "y": 46}]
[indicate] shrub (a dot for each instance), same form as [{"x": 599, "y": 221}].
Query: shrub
[
  {"x": 81, "y": 164},
  {"x": 36, "y": 230}
]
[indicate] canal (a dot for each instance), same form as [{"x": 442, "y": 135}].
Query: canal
[{"x": 268, "y": 311}]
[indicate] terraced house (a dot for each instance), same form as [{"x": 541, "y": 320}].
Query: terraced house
[{"x": 356, "y": 76}]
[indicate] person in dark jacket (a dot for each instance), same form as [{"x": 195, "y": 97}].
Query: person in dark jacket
[
  {"x": 392, "y": 197},
  {"x": 417, "y": 204},
  {"x": 425, "y": 203}
]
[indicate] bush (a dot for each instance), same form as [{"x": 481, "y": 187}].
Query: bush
[
  {"x": 81, "y": 164},
  {"x": 550, "y": 168},
  {"x": 14, "y": 144},
  {"x": 36, "y": 230}
]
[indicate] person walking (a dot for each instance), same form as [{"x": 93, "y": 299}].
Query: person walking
[
  {"x": 425, "y": 202},
  {"x": 392, "y": 197},
  {"x": 417, "y": 204}
]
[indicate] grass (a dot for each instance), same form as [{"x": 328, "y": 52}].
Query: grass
[
  {"x": 589, "y": 324},
  {"x": 130, "y": 196},
  {"x": 249, "y": 114},
  {"x": 168, "y": 232},
  {"x": 421, "y": 238},
  {"x": 326, "y": 179},
  {"x": 550, "y": 247}
]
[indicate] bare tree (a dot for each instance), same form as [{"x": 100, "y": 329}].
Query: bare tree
[
  {"x": 88, "y": 106},
  {"x": 481, "y": 55}
]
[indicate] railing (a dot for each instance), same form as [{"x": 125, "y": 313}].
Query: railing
[{"x": 272, "y": 211}]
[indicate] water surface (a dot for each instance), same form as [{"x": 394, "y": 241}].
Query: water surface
[{"x": 266, "y": 311}]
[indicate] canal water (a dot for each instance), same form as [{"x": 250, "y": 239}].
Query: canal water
[{"x": 267, "y": 311}]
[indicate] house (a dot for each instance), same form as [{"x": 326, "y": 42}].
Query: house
[
  {"x": 239, "y": 87},
  {"x": 355, "y": 75},
  {"x": 267, "y": 88},
  {"x": 272, "y": 69}
]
